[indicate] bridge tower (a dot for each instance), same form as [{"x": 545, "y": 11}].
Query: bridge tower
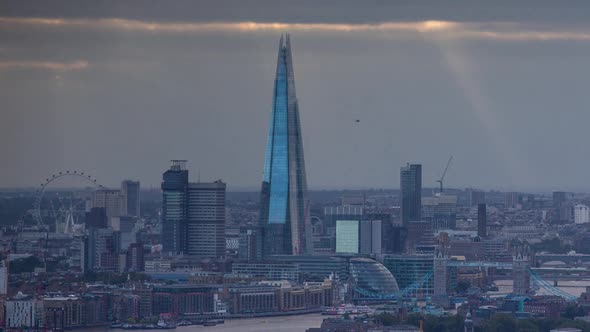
[
  {"x": 441, "y": 259},
  {"x": 520, "y": 270}
]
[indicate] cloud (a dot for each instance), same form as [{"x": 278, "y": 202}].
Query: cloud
[
  {"x": 502, "y": 31},
  {"x": 46, "y": 65}
]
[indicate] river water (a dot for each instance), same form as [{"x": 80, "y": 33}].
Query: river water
[{"x": 298, "y": 323}]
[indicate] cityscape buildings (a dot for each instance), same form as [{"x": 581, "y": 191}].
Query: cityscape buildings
[
  {"x": 411, "y": 193},
  {"x": 284, "y": 213},
  {"x": 193, "y": 214},
  {"x": 174, "y": 207},
  {"x": 482, "y": 217},
  {"x": 205, "y": 229},
  {"x": 131, "y": 198},
  {"x": 581, "y": 214}
]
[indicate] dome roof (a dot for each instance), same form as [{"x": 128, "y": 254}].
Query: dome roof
[{"x": 372, "y": 276}]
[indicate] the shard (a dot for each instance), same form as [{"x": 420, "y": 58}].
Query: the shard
[{"x": 284, "y": 211}]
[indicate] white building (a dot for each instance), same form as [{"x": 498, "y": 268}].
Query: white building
[
  {"x": 581, "y": 214},
  {"x": 23, "y": 312}
]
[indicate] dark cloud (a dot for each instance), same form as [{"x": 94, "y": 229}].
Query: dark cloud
[{"x": 119, "y": 88}]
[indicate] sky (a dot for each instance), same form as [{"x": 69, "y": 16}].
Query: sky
[{"x": 117, "y": 89}]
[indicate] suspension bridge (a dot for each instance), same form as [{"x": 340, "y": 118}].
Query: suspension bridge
[{"x": 416, "y": 287}]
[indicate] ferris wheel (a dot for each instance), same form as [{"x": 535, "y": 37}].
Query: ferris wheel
[{"x": 59, "y": 208}]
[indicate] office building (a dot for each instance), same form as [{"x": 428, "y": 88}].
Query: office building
[
  {"x": 205, "y": 228},
  {"x": 193, "y": 214},
  {"x": 324, "y": 234},
  {"x": 440, "y": 211},
  {"x": 174, "y": 207},
  {"x": 97, "y": 218},
  {"x": 476, "y": 197},
  {"x": 131, "y": 198},
  {"x": 511, "y": 200},
  {"x": 420, "y": 233},
  {"x": 316, "y": 268},
  {"x": 284, "y": 211},
  {"x": 411, "y": 193},
  {"x": 135, "y": 258},
  {"x": 482, "y": 221},
  {"x": 268, "y": 270},
  {"x": 176, "y": 300},
  {"x": 109, "y": 199},
  {"x": 347, "y": 236},
  {"x": 250, "y": 243},
  {"x": 581, "y": 214},
  {"x": 3, "y": 279},
  {"x": 23, "y": 312},
  {"x": 102, "y": 249}
]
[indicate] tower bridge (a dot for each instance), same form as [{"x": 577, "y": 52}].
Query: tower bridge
[{"x": 522, "y": 274}]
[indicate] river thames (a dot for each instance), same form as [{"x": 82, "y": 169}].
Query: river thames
[{"x": 297, "y": 323}]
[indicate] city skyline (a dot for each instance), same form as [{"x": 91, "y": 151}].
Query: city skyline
[{"x": 447, "y": 79}]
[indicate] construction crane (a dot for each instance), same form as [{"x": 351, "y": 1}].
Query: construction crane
[{"x": 442, "y": 178}]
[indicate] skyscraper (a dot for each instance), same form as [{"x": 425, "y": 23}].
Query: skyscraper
[
  {"x": 205, "y": 229},
  {"x": 284, "y": 210},
  {"x": 411, "y": 193},
  {"x": 482, "y": 221},
  {"x": 174, "y": 207},
  {"x": 193, "y": 214},
  {"x": 130, "y": 190}
]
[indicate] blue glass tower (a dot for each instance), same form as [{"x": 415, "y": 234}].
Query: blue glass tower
[{"x": 284, "y": 212}]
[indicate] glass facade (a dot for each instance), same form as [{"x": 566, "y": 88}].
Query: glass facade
[
  {"x": 174, "y": 208},
  {"x": 411, "y": 193},
  {"x": 372, "y": 276},
  {"x": 284, "y": 212},
  {"x": 408, "y": 269},
  {"x": 347, "y": 236}
]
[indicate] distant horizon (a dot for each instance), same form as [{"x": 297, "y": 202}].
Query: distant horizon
[{"x": 316, "y": 189}]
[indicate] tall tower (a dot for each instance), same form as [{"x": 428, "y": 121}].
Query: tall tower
[
  {"x": 174, "y": 207},
  {"x": 441, "y": 295},
  {"x": 482, "y": 221},
  {"x": 284, "y": 211},
  {"x": 131, "y": 192},
  {"x": 205, "y": 229},
  {"x": 411, "y": 193},
  {"x": 520, "y": 270}
]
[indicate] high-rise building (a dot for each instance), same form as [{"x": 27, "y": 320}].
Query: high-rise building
[
  {"x": 131, "y": 193},
  {"x": 411, "y": 193},
  {"x": 111, "y": 200},
  {"x": 284, "y": 208},
  {"x": 193, "y": 214},
  {"x": 477, "y": 197},
  {"x": 174, "y": 207},
  {"x": 482, "y": 221},
  {"x": 440, "y": 211},
  {"x": 135, "y": 260},
  {"x": 205, "y": 229},
  {"x": 511, "y": 200},
  {"x": 347, "y": 236},
  {"x": 581, "y": 214},
  {"x": 562, "y": 206},
  {"x": 97, "y": 218},
  {"x": 3, "y": 278}
]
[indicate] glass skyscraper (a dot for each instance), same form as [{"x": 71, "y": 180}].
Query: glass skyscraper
[
  {"x": 411, "y": 193},
  {"x": 284, "y": 211}
]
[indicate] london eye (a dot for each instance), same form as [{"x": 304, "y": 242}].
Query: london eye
[{"x": 60, "y": 200}]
